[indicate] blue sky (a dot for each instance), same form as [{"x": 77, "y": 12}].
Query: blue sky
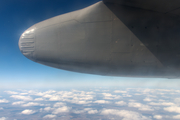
[{"x": 17, "y": 71}]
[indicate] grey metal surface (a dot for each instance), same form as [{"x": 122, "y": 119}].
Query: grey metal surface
[
  {"x": 164, "y": 6},
  {"x": 107, "y": 39}
]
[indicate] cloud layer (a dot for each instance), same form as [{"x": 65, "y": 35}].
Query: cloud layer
[{"x": 94, "y": 103}]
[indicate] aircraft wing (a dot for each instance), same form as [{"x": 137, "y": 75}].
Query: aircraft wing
[{"x": 164, "y": 6}]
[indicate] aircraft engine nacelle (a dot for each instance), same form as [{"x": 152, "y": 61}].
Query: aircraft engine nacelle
[{"x": 107, "y": 39}]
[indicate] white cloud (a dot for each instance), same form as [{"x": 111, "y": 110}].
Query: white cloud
[
  {"x": 121, "y": 103},
  {"x": 101, "y": 102},
  {"x": 178, "y": 91},
  {"x": 75, "y": 90},
  {"x": 28, "y": 112},
  {"x": 110, "y": 96},
  {"x": 39, "y": 99},
  {"x": 92, "y": 112},
  {"x": 80, "y": 102},
  {"x": 61, "y": 110},
  {"x": 48, "y": 96},
  {"x": 48, "y": 108},
  {"x": 23, "y": 93},
  {"x": 87, "y": 109},
  {"x": 54, "y": 98},
  {"x": 148, "y": 99},
  {"x": 119, "y": 91},
  {"x": 4, "y": 101},
  {"x": 176, "y": 117},
  {"x": 126, "y": 95},
  {"x": 140, "y": 106},
  {"x": 113, "y": 97},
  {"x": 20, "y": 97},
  {"x": 18, "y": 103},
  {"x": 145, "y": 91},
  {"x": 83, "y": 102},
  {"x": 41, "y": 109},
  {"x": 89, "y": 98},
  {"x": 162, "y": 103},
  {"x": 107, "y": 94},
  {"x": 177, "y": 100},
  {"x": 59, "y": 104},
  {"x": 44, "y": 94},
  {"x": 173, "y": 109},
  {"x": 160, "y": 93},
  {"x": 31, "y": 92},
  {"x": 126, "y": 115},
  {"x": 38, "y": 94},
  {"x": 168, "y": 103},
  {"x": 153, "y": 103},
  {"x": 11, "y": 92},
  {"x": 50, "y": 91},
  {"x": 152, "y": 96},
  {"x": 50, "y": 116},
  {"x": 165, "y": 96},
  {"x": 71, "y": 94},
  {"x": 96, "y": 90},
  {"x": 157, "y": 116},
  {"x": 1, "y": 108},
  {"x": 3, "y": 118},
  {"x": 117, "y": 97},
  {"x": 82, "y": 97},
  {"x": 165, "y": 90},
  {"x": 32, "y": 104},
  {"x": 90, "y": 92},
  {"x": 86, "y": 97}
]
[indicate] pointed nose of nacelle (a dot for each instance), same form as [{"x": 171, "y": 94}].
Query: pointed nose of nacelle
[{"x": 27, "y": 43}]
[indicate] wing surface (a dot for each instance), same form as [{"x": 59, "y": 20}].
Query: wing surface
[{"x": 164, "y": 6}]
